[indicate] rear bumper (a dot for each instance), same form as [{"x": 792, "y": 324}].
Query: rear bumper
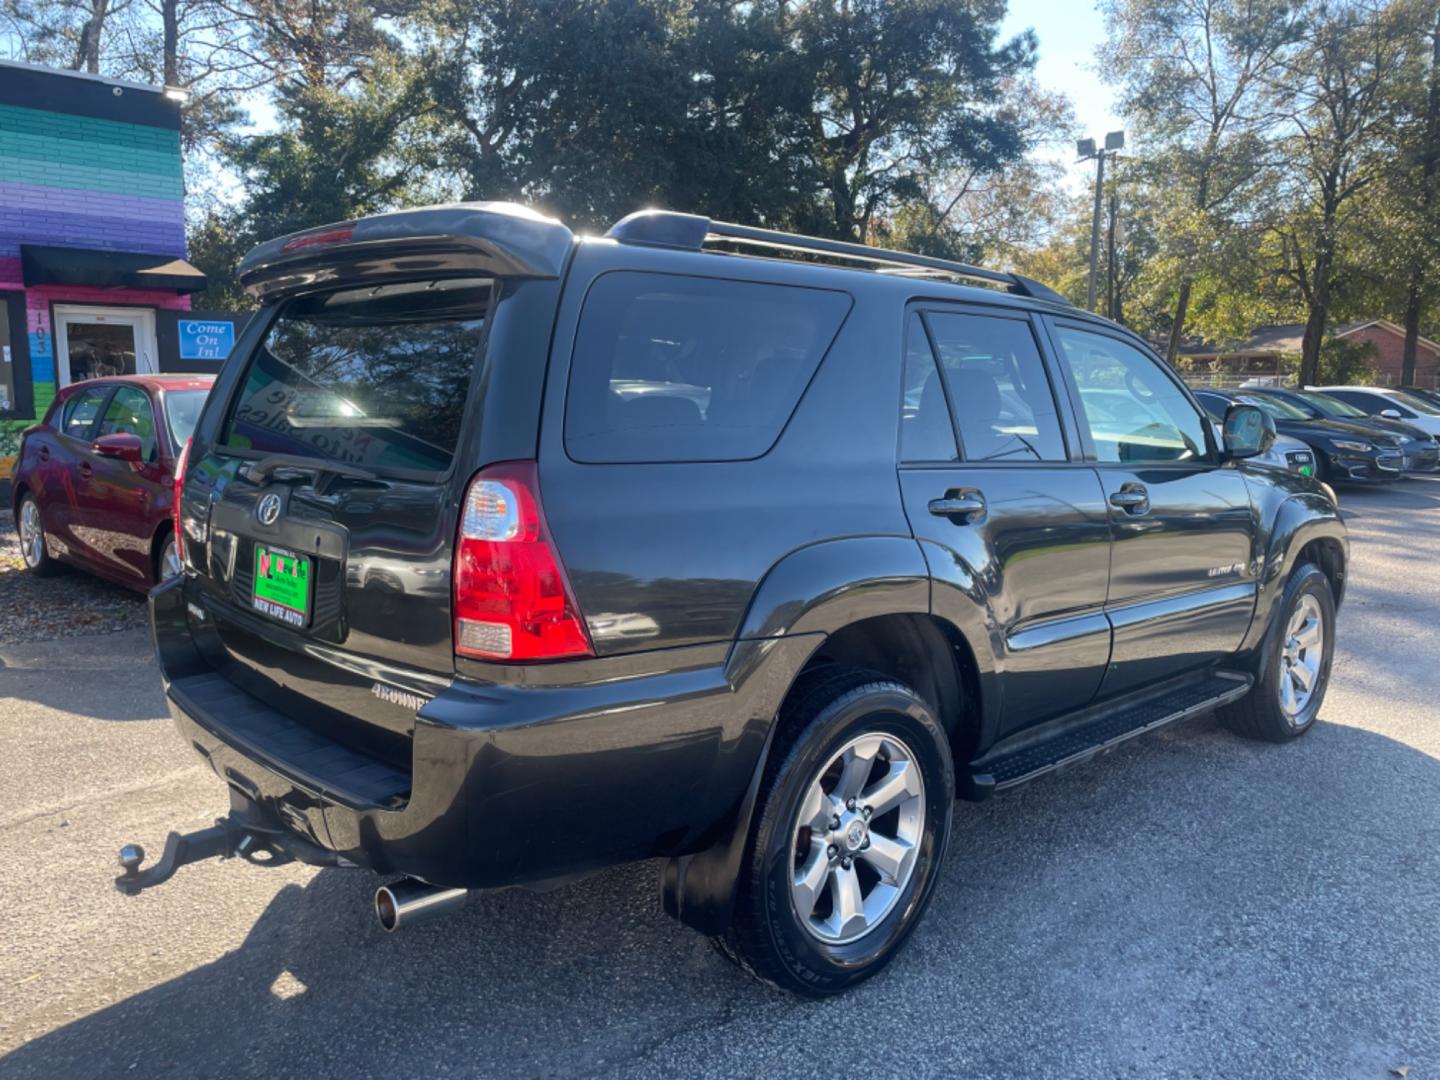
[{"x": 508, "y": 784}]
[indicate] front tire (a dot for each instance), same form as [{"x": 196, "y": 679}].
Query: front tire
[
  {"x": 851, "y": 828},
  {"x": 1295, "y": 663},
  {"x": 34, "y": 549}
]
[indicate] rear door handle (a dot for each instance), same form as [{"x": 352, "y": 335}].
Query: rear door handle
[
  {"x": 964, "y": 505},
  {"x": 1132, "y": 498},
  {"x": 44, "y": 453},
  {"x": 86, "y": 470}
]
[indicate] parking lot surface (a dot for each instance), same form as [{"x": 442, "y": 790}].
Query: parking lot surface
[{"x": 1190, "y": 905}]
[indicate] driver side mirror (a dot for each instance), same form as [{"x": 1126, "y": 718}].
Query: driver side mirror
[
  {"x": 1391, "y": 414},
  {"x": 1247, "y": 431},
  {"x": 122, "y": 447}
]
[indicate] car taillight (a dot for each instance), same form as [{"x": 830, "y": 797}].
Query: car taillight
[
  {"x": 512, "y": 600},
  {"x": 180, "y": 463}
]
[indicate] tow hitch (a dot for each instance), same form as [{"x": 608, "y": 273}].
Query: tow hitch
[{"x": 227, "y": 838}]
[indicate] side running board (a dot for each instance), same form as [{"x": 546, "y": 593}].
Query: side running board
[{"x": 1084, "y": 740}]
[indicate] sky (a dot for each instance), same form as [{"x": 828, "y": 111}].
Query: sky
[{"x": 1069, "y": 32}]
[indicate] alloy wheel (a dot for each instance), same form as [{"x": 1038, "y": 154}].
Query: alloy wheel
[
  {"x": 1301, "y": 658},
  {"x": 857, "y": 837},
  {"x": 32, "y": 534},
  {"x": 169, "y": 560}
]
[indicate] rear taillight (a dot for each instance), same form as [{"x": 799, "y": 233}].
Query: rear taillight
[
  {"x": 180, "y": 463},
  {"x": 512, "y": 601}
]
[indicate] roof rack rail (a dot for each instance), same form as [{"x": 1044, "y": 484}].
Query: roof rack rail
[{"x": 692, "y": 232}]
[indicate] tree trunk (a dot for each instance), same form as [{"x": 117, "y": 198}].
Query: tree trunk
[
  {"x": 87, "y": 50},
  {"x": 170, "y": 20},
  {"x": 1316, "y": 319},
  {"x": 1177, "y": 328},
  {"x": 1428, "y": 183}
]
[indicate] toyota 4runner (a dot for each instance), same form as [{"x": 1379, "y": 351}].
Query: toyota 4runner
[{"x": 509, "y": 555}]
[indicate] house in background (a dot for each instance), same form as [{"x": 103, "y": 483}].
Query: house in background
[
  {"x": 1262, "y": 355},
  {"x": 93, "y": 277}
]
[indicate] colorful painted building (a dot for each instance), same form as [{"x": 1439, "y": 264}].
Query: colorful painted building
[{"x": 93, "y": 277}]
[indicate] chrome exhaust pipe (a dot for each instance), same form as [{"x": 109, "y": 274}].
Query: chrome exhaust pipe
[{"x": 410, "y": 900}]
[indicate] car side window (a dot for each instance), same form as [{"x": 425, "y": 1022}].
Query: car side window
[
  {"x": 1003, "y": 403},
  {"x": 926, "y": 431},
  {"x": 80, "y": 411},
  {"x": 1133, "y": 408},
  {"x": 129, "y": 413},
  {"x": 672, "y": 368}
]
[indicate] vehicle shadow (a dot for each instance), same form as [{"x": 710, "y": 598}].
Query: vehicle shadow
[
  {"x": 1188, "y": 883},
  {"x": 101, "y": 676}
]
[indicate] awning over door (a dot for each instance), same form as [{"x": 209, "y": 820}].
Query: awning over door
[{"x": 107, "y": 269}]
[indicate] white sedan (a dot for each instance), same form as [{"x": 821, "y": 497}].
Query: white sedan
[{"x": 1388, "y": 403}]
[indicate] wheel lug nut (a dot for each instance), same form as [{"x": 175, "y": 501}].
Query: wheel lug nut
[
  {"x": 849, "y": 804},
  {"x": 835, "y": 822},
  {"x": 846, "y": 862},
  {"x": 867, "y": 813},
  {"x": 832, "y": 851}
]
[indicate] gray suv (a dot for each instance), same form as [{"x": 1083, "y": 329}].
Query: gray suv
[{"x": 509, "y": 555}]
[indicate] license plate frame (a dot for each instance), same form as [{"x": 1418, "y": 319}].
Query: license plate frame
[{"x": 283, "y": 588}]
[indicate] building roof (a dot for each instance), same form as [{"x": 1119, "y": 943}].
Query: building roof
[
  {"x": 1288, "y": 337},
  {"x": 78, "y": 93}
]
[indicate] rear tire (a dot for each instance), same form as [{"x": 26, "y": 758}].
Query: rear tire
[
  {"x": 34, "y": 548},
  {"x": 864, "y": 871},
  {"x": 1280, "y": 707}
]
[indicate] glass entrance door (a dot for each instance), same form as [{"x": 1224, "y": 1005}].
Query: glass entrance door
[{"x": 93, "y": 341}]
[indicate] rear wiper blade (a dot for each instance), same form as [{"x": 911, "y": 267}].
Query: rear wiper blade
[{"x": 257, "y": 471}]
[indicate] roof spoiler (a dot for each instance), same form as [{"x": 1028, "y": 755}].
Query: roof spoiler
[
  {"x": 490, "y": 239},
  {"x": 690, "y": 232}
]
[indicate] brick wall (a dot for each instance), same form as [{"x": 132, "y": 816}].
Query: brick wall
[{"x": 1389, "y": 353}]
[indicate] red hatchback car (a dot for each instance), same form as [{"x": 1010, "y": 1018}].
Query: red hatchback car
[{"x": 93, "y": 485}]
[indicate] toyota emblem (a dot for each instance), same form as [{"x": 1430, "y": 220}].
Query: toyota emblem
[{"x": 267, "y": 510}]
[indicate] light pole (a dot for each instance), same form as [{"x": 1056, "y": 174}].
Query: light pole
[{"x": 1114, "y": 140}]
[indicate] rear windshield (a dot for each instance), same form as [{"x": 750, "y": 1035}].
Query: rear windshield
[
  {"x": 182, "y": 411},
  {"x": 375, "y": 377},
  {"x": 670, "y": 368}
]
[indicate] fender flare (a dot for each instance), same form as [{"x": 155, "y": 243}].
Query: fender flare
[
  {"x": 811, "y": 593},
  {"x": 1299, "y": 520}
]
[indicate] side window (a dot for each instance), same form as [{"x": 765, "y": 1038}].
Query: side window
[
  {"x": 1003, "y": 403},
  {"x": 1134, "y": 410},
  {"x": 1213, "y": 405},
  {"x": 129, "y": 413},
  {"x": 926, "y": 433},
  {"x": 671, "y": 368},
  {"x": 80, "y": 411}
]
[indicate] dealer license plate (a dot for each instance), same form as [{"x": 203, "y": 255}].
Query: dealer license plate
[{"x": 282, "y": 585}]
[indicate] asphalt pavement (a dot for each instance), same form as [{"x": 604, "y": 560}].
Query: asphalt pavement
[{"x": 1191, "y": 905}]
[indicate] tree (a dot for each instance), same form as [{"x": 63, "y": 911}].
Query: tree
[
  {"x": 1192, "y": 74},
  {"x": 905, "y": 90},
  {"x": 74, "y": 34},
  {"x": 821, "y": 116},
  {"x": 1336, "y": 97},
  {"x": 1426, "y": 207}
]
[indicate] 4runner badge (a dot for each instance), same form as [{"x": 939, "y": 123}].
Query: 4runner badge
[{"x": 403, "y": 698}]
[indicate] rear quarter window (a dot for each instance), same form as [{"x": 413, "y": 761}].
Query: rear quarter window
[{"x": 671, "y": 368}]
